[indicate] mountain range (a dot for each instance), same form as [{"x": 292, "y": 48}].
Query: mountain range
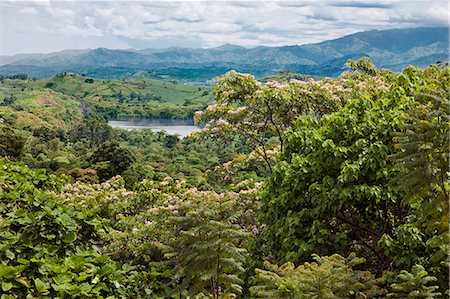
[{"x": 393, "y": 49}]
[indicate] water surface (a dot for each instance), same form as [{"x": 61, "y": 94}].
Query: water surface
[{"x": 181, "y": 127}]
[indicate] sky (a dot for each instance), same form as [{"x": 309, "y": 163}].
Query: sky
[{"x": 49, "y": 26}]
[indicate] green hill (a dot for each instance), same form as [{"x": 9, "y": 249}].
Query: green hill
[
  {"x": 64, "y": 99},
  {"x": 29, "y": 107}
]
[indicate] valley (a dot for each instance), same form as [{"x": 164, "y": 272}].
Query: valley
[
  {"x": 321, "y": 174},
  {"x": 290, "y": 171}
]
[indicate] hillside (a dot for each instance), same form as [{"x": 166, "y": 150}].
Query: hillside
[
  {"x": 60, "y": 101},
  {"x": 34, "y": 108},
  {"x": 330, "y": 188},
  {"x": 392, "y": 49}
]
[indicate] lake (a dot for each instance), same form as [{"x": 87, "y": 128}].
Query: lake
[{"x": 181, "y": 127}]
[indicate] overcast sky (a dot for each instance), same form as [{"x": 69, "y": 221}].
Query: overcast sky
[{"x": 48, "y": 26}]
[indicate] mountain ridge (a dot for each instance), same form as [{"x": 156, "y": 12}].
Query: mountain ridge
[{"x": 393, "y": 48}]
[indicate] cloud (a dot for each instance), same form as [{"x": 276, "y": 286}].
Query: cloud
[
  {"x": 187, "y": 20},
  {"x": 294, "y": 3},
  {"x": 245, "y": 3},
  {"x": 360, "y": 4},
  {"x": 323, "y": 16},
  {"x": 149, "y": 24},
  {"x": 29, "y": 10},
  {"x": 60, "y": 13}
]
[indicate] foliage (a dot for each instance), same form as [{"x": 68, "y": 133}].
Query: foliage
[
  {"x": 338, "y": 167},
  {"x": 336, "y": 277},
  {"x": 423, "y": 144},
  {"x": 242, "y": 167},
  {"x": 205, "y": 245},
  {"x": 327, "y": 277},
  {"x": 262, "y": 113},
  {"x": 157, "y": 225},
  {"x": 363, "y": 65},
  {"x": 118, "y": 158},
  {"x": 12, "y": 143},
  {"x": 95, "y": 131},
  {"x": 171, "y": 140},
  {"x": 422, "y": 152},
  {"x": 47, "y": 249},
  {"x": 412, "y": 285},
  {"x": 280, "y": 173},
  {"x": 349, "y": 195}
]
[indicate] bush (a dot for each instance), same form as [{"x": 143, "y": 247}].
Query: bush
[
  {"x": 11, "y": 143},
  {"x": 47, "y": 249}
]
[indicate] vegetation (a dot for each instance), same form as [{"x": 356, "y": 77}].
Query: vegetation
[
  {"x": 35, "y": 102},
  {"x": 48, "y": 249},
  {"x": 331, "y": 188}
]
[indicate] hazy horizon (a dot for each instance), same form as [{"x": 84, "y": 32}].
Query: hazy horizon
[
  {"x": 41, "y": 27},
  {"x": 179, "y": 47}
]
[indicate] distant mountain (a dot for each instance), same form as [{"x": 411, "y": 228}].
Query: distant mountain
[
  {"x": 392, "y": 49},
  {"x": 31, "y": 58}
]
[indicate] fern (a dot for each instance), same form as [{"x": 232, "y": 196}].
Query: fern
[
  {"x": 206, "y": 249},
  {"x": 413, "y": 285},
  {"x": 423, "y": 144},
  {"x": 423, "y": 149},
  {"x": 327, "y": 277}
]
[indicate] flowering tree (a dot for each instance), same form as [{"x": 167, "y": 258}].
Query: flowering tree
[
  {"x": 182, "y": 239},
  {"x": 261, "y": 113},
  {"x": 370, "y": 178}
]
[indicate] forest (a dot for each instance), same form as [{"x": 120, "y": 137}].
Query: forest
[{"x": 296, "y": 187}]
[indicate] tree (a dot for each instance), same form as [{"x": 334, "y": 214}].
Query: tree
[
  {"x": 119, "y": 159},
  {"x": 329, "y": 191},
  {"x": 11, "y": 144},
  {"x": 205, "y": 248},
  {"x": 353, "y": 180},
  {"x": 171, "y": 141},
  {"x": 326, "y": 277},
  {"x": 210, "y": 259},
  {"x": 9, "y": 100},
  {"x": 46, "y": 247},
  {"x": 261, "y": 113},
  {"x": 44, "y": 133},
  {"x": 423, "y": 143},
  {"x": 422, "y": 152},
  {"x": 94, "y": 131},
  {"x": 337, "y": 277}
]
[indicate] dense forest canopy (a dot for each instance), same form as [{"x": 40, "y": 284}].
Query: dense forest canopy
[{"x": 330, "y": 188}]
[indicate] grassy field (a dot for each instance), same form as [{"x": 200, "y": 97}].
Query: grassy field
[
  {"x": 169, "y": 92},
  {"x": 63, "y": 99},
  {"x": 37, "y": 107}
]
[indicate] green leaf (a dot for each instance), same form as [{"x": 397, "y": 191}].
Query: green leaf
[
  {"x": 85, "y": 288},
  {"x": 70, "y": 237},
  {"x": 67, "y": 221},
  {"x": 107, "y": 269},
  {"x": 75, "y": 262},
  {"x": 9, "y": 254},
  {"x": 7, "y": 272},
  {"x": 23, "y": 282},
  {"x": 23, "y": 261},
  {"x": 40, "y": 285},
  {"x": 6, "y": 286}
]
